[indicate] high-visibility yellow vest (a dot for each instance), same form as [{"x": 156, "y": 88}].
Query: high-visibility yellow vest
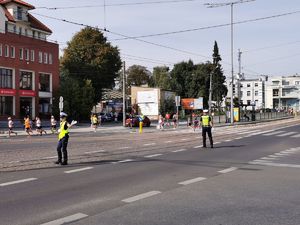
[
  {"x": 95, "y": 120},
  {"x": 62, "y": 132},
  {"x": 205, "y": 121}
]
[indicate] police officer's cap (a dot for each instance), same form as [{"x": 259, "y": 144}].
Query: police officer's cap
[
  {"x": 62, "y": 114},
  {"x": 205, "y": 110}
]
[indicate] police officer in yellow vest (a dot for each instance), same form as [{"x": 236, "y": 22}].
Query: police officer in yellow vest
[
  {"x": 206, "y": 123},
  {"x": 63, "y": 138}
]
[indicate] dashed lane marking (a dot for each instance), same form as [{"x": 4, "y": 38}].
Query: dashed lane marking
[
  {"x": 68, "y": 219},
  {"x": 91, "y": 152},
  {"x": 126, "y": 160},
  {"x": 79, "y": 170},
  {"x": 296, "y": 136},
  {"x": 151, "y": 156},
  {"x": 149, "y": 144},
  {"x": 217, "y": 143},
  {"x": 141, "y": 196},
  {"x": 227, "y": 170},
  {"x": 191, "y": 181},
  {"x": 17, "y": 182},
  {"x": 123, "y": 148},
  {"x": 275, "y": 164},
  {"x": 179, "y": 150},
  {"x": 228, "y": 140},
  {"x": 286, "y": 134},
  {"x": 199, "y": 146},
  {"x": 50, "y": 157},
  {"x": 273, "y": 133}
]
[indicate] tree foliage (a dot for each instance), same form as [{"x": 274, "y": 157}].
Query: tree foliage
[
  {"x": 89, "y": 56},
  {"x": 137, "y": 75},
  {"x": 161, "y": 78}
]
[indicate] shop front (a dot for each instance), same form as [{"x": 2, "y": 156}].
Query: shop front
[
  {"x": 27, "y": 103},
  {"x": 7, "y": 102}
]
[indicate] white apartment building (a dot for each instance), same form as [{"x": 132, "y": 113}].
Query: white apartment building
[
  {"x": 283, "y": 93},
  {"x": 251, "y": 92}
]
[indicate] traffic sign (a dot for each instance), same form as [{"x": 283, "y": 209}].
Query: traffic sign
[
  {"x": 61, "y": 103},
  {"x": 177, "y": 100}
]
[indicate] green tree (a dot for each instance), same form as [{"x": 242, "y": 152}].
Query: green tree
[
  {"x": 137, "y": 75},
  {"x": 89, "y": 56},
  {"x": 219, "y": 89},
  {"x": 161, "y": 78}
]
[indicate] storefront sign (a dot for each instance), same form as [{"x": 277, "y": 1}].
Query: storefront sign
[
  {"x": 192, "y": 103},
  {"x": 8, "y": 92},
  {"x": 27, "y": 93}
]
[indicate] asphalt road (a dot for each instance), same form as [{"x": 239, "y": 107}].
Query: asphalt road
[{"x": 160, "y": 177}]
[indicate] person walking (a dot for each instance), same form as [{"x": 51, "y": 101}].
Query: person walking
[
  {"x": 53, "y": 124},
  {"x": 63, "y": 138},
  {"x": 206, "y": 123},
  {"x": 175, "y": 120},
  {"x": 10, "y": 127}
]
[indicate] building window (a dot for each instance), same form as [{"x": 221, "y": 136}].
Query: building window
[
  {"x": 40, "y": 57},
  {"x": 248, "y": 85},
  {"x": 248, "y": 102},
  {"x": 256, "y": 84},
  {"x": 275, "y": 92},
  {"x": 46, "y": 58},
  {"x": 12, "y": 52},
  {"x": 20, "y": 30},
  {"x": 6, "y": 51},
  {"x": 27, "y": 54},
  {"x": 6, "y": 105},
  {"x": 241, "y": 93},
  {"x": 44, "y": 82},
  {"x": 256, "y": 93},
  {"x": 50, "y": 58},
  {"x": 19, "y": 13},
  {"x": 0, "y": 49},
  {"x": 26, "y": 32},
  {"x": 32, "y": 55},
  {"x": 15, "y": 29},
  {"x": 26, "y": 80},
  {"x": 6, "y": 78},
  {"x": 241, "y": 85},
  {"x": 33, "y": 34},
  {"x": 248, "y": 93},
  {"x": 39, "y": 35},
  {"x": 21, "y": 51}
]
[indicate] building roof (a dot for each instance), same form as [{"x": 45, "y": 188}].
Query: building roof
[
  {"x": 36, "y": 24},
  {"x": 8, "y": 15},
  {"x": 20, "y": 2}
]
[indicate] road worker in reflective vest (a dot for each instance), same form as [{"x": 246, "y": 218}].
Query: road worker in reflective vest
[
  {"x": 63, "y": 138},
  {"x": 206, "y": 123}
]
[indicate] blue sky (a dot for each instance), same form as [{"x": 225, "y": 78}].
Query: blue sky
[{"x": 270, "y": 47}]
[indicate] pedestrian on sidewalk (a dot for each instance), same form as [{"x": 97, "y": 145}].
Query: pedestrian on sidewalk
[
  {"x": 63, "y": 138},
  {"x": 161, "y": 122},
  {"x": 94, "y": 122},
  {"x": 206, "y": 123},
  {"x": 175, "y": 120},
  {"x": 10, "y": 127},
  {"x": 27, "y": 124}
]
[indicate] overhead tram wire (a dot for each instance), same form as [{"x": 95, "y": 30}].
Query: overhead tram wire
[
  {"x": 116, "y": 4},
  {"x": 211, "y": 27}
]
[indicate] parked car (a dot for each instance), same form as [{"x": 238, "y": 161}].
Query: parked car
[
  {"x": 105, "y": 117},
  {"x": 135, "y": 121}
]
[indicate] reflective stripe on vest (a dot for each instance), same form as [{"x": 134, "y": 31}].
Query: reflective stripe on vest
[
  {"x": 205, "y": 121},
  {"x": 62, "y": 132}
]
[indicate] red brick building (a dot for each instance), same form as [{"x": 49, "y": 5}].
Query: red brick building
[{"x": 29, "y": 64}]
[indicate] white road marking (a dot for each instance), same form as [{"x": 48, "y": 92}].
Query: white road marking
[
  {"x": 228, "y": 140},
  {"x": 14, "y": 162},
  {"x": 17, "y": 182},
  {"x": 78, "y": 170},
  {"x": 286, "y": 134},
  {"x": 184, "y": 139},
  {"x": 168, "y": 141},
  {"x": 141, "y": 196},
  {"x": 282, "y": 154},
  {"x": 296, "y": 136},
  {"x": 151, "y": 156},
  {"x": 228, "y": 170},
  {"x": 274, "y": 156},
  {"x": 192, "y": 180},
  {"x": 238, "y": 138},
  {"x": 261, "y": 160},
  {"x": 50, "y": 157},
  {"x": 217, "y": 143},
  {"x": 149, "y": 144},
  {"x": 123, "y": 147},
  {"x": 126, "y": 160},
  {"x": 67, "y": 219},
  {"x": 179, "y": 150},
  {"x": 266, "y": 158},
  {"x": 276, "y": 164},
  {"x": 91, "y": 152},
  {"x": 198, "y": 137},
  {"x": 199, "y": 146},
  {"x": 272, "y": 133}
]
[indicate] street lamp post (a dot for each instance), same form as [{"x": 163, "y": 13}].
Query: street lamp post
[{"x": 214, "y": 5}]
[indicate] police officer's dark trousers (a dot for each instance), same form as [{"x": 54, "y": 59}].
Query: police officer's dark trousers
[
  {"x": 62, "y": 149},
  {"x": 208, "y": 131}
]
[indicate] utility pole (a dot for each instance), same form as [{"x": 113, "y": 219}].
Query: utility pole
[
  {"x": 239, "y": 75},
  {"x": 124, "y": 94},
  {"x": 215, "y": 5},
  {"x": 210, "y": 92}
]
